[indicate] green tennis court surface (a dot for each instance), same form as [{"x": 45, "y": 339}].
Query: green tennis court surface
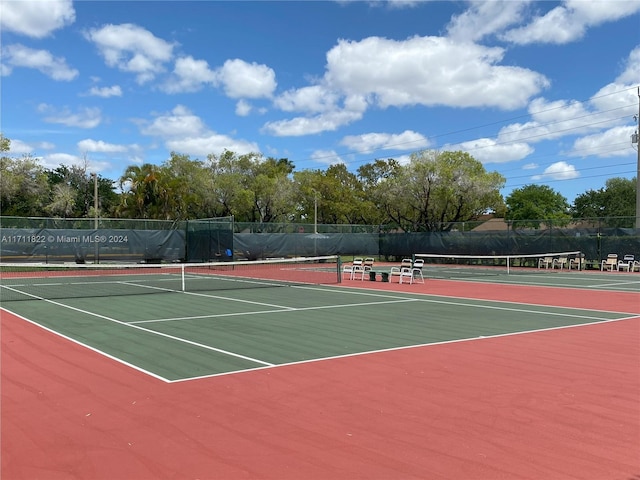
[{"x": 184, "y": 335}]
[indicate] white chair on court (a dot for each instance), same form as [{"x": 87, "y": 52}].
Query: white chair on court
[
  {"x": 610, "y": 263},
  {"x": 412, "y": 273},
  {"x": 578, "y": 262},
  {"x": 545, "y": 262},
  {"x": 626, "y": 264},
  {"x": 416, "y": 270},
  {"x": 398, "y": 271},
  {"x": 407, "y": 274},
  {"x": 368, "y": 263},
  {"x": 358, "y": 268},
  {"x": 559, "y": 262},
  {"x": 347, "y": 270}
]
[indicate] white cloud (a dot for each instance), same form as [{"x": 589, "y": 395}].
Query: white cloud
[
  {"x": 19, "y": 147},
  {"x": 605, "y": 112},
  {"x": 179, "y": 123},
  {"x": 189, "y": 75},
  {"x": 90, "y": 145},
  {"x": 326, "y": 157},
  {"x": 84, "y": 117},
  {"x": 429, "y": 71},
  {"x": 596, "y": 12},
  {"x": 484, "y": 18},
  {"x": 54, "y": 160},
  {"x": 18, "y": 55},
  {"x": 211, "y": 142},
  {"x": 610, "y": 143},
  {"x": 631, "y": 72},
  {"x": 184, "y": 132},
  {"x": 569, "y": 22},
  {"x": 299, "y": 126},
  {"x": 558, "y": 171},
  {"x": 487, "y": 150},
  {"x": 558, "y": 26},
  {"x": 31, "y": 19},
  {"x": 133, "y": 49},
  {"x": 370, "y": 142},
  {"x": 311, "y": 99},
  {"x": 246, "y": 80},
  {"x": 552, "y": 120},
  {"x": 106, "y": 92},
  {"x": 243, "y": 108}
]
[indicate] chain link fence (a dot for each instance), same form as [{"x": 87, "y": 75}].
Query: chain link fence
[{"x": 222, "y": 239}]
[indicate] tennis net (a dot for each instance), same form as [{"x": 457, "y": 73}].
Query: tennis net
[
  {"x": 48, "y": 281},
  {"x": 461, "y": 266}
]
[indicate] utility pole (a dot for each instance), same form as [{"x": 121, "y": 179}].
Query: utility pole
[
  {"x": 95, "y": 200},
  {"x": 315, "y": 212},
  {"x": 635, "y": 140},
  {"x": 95, "y": 215}
]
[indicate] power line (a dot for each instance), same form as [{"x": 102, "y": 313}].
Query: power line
[{"x": 503, "y": 121}]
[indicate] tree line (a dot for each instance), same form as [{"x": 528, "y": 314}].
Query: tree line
[{"x": 432, "y": 192}]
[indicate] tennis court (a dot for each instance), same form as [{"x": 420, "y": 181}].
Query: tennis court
[{"x": 319, "y": 379}]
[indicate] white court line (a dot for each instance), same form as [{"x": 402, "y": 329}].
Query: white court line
[
  {"x": 637, "y": 282},
  {"x": 475, "y": 303},
  {"x": 474, "y": 299},
  {"x": 392, "y": 349},
  {"x": 93, "y": 349},
  {"x": 153, "y": 332},
  {"x": 288, "y": 309},
  {"x": 602, "y": 287}
]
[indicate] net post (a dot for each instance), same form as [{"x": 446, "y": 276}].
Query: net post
[
  {"x": 339, "y": 263},
  {"x": 508, "y": 264},
  {"x": 182, "y": 281}
]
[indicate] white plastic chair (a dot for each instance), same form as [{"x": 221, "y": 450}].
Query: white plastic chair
[
  {"x": 347, "y": 270},
  {"x": 610, "y": 263},
  {"x": 411, "y": 271},
  {"x": 406, "y": 273},
  {"x": 416, "y": 270},
  {"x": 357, "y": 268},
  {"x": 397, "y": 271},
  {"x": 559, "y": 262},
  {"x": 368, "y": 264},
  {"x": 545, "y": 262},
  {"x": 578, "y": 262},
  {"x": 627, "y": 263}
]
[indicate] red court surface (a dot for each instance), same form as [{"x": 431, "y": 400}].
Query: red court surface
[{"x": 553, "y": 405}]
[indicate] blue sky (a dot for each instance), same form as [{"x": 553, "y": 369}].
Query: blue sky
[{"x": 542, "y": 92}]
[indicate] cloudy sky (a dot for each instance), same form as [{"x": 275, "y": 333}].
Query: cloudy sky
[{"x": 543, "y": 92}]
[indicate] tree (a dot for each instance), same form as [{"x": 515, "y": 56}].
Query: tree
[
  {"x": 24, "y": 189},
  {"x": 434, "y": 191},
  {"x": 532, "y": 203},
  {"x": 139, "y": 185},
  {"x": 616, "y": 199},
  {"x": 340, "y": 196},
  {"x": 272, "y": 189},
  {"x": 5, "y": 143},
  {"x": 77, "y": 199},
  {"x": 231, "y": 192},
  {"x": 188, "y": 183},
  {"x": 63, "y": 202}
]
